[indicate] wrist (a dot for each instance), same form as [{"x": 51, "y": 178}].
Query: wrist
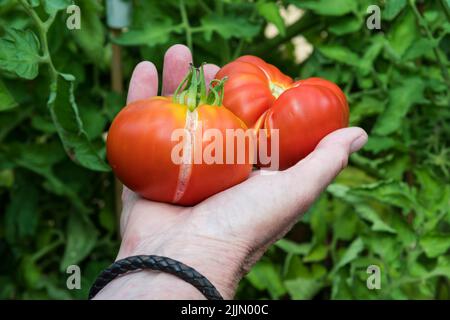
[{"x": 215, "y": 260}]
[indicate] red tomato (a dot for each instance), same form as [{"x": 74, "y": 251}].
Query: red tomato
[
  {"x": 141, "y": 149},
  {"x": 304, "y": 111}
]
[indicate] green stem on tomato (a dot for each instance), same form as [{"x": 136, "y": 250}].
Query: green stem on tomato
[
  {"x": 202, "y": 80},
  {"x": 192, "y": 90}
]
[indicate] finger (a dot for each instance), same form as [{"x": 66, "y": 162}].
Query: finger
[
  {"x": 301, "y": 184},
  {"x": 176, "y": 65},
  {"x": 210, "y": 71},
  {"x": 273, "y": 202},
  {"x": 143, "y": 83}
]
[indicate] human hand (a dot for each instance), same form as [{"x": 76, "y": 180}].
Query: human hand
[{"x": 223, "y": 236}]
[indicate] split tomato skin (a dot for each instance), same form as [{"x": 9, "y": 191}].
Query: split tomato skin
[
  {"x": 303, "y": 111},
  {"x": 140, "y": 146}
]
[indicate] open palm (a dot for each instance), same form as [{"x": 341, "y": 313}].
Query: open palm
[{"x": 224, "y": 235}]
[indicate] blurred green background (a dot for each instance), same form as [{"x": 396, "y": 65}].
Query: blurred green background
[{"x": 389, "y": 208}]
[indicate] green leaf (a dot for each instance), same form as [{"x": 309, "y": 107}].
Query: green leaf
[
  {"x": 81, "y": 239},
  {"x": 419, "y": 48},
  {"x": 435, "y": 245},
  {"x": 53, "y": 6},
  {"x": 94, "y": 121},
  {"x": 443, "y": 266},
  {"x": 340, "y": 54},
  {"x": 366, "y": 107},
  {"x": 152, "y": 34},
  {"x": 21, "y": 216},
  {"x": 317, "y": 220},
  {"x": 7, "y": 101},
  {"x": 327, "y": 7},
  {"x": 303, "y": 289},
  {"x": 43, "y": 124},
  {"x": 401, "y": 99},
  {"x": 350, "y": 254},
  {"x": 362, "y": 208},
  {"x": 340, "y": 289},
  {"x": 107, "y": 219},
  {"x": 65, "y": 115},
  {"x": 113, "y": 103},
  {"x": 403, "y": 33},
  {"x": 431, "y": 189},
  {"x": 345, "y": 225},
  {"x": 292, "y": 247},
  {"x": 35, "y": 3},
  {"x": 20, "y": 53},
  {"x": 39, "y": 159},
  {"x": 377, "y": 144},
  {"x": 317, "y": 253},
  {"x": 271, "y": 12},
  {"x": 264, "y": 276},
  {"x": 405, "y": 232},
  {"x": 385, "y": 246},
  {"x": 391, "y": 192},
  {"x": 346, "y": 25},
  {"x": 6, "y": 178},
  {"x": 392, "y": 9},
  {"x": 91, "y": 36},
  {"x": 56, "y": 293},
  {"x": 353, "y": 177},
  {"x": 294, "y": 268},
  {"x": 368, "y": 213},
  {"x": 366, "y": 63},
  {"x": 228, "y": 27},
  {"x": 31, "y": 273}
]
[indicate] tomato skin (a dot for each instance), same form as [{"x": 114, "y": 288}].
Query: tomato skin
[
  {"x": 139, "y": 150},
  {"x": 304, "y": 115},
  {"x": 247, "y": 91},
  {"x": 304, "y": 111}
]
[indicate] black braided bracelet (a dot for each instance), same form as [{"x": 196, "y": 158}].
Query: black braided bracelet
[{"x": 159, "y": 263}]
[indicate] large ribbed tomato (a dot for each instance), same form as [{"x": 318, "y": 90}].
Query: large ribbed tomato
[
  {"x": 141, "y": 146},
  {"x": 303, "y": 111}
]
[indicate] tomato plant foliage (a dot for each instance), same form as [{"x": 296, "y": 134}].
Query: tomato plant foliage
[{"x": 389, "y": 208}]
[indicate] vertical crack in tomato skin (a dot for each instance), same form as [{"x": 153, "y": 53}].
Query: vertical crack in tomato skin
[
  {"x": 304, "y": 111},
  {"x": 139, "y": 151},
  {"x": 185, "y": 170},
  {"x": 209, "y": 179}
]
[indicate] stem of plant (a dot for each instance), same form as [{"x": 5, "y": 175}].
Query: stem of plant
[
  {"x": 192, "y": 90},
  {"x": 185, "y": 22},
  {"x": 425, "y": 26},
  {"x": 42, "y": 28},
  {"x": 240, "y": 46}
]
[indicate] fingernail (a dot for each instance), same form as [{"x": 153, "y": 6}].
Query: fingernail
[{"x": 358, "y": 143}]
